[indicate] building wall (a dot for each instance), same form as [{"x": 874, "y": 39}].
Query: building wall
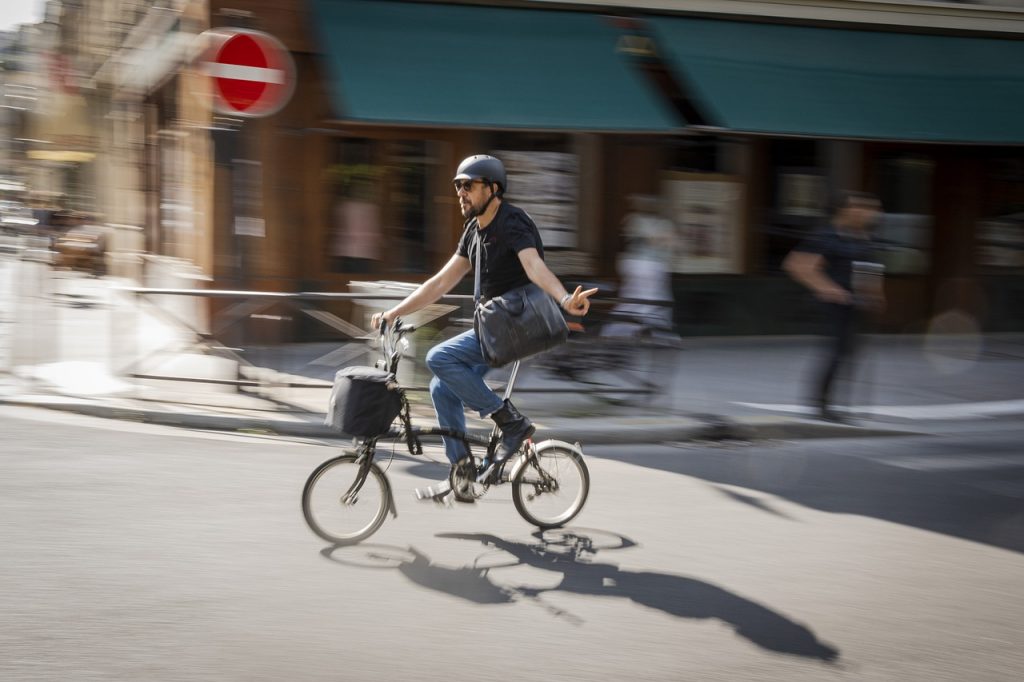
[{"x": 141, "y": 120}]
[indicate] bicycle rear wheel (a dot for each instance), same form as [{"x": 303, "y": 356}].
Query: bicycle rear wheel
[
  {"x": 345, "y": 500},
  {"x": 551, "y": 487}
]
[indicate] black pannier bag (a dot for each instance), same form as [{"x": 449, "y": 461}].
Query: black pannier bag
[{"x": 364, "y": 402}]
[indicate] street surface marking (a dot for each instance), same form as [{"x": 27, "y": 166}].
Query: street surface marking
[
  {"x": 971, "y": 462},
  {"x": 977, "y": 410}
]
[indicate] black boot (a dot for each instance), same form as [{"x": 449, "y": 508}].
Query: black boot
[{"x": 515, "y": 428}]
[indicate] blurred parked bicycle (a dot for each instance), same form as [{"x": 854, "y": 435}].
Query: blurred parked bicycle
[{"x": 624, "y": 355}]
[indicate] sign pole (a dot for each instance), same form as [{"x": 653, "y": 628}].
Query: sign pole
[{"x": 252, "y": 76}]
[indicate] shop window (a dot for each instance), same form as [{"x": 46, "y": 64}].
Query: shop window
[
  {"x": 905, "y": 228},
  {"x": 1000, "y": 234},
  {"x": 696, "y": 155},
  {"x": 799, "y": 191},
  {"x": 796, "y": 198},
  {"x": 354, "y": 223},
  {"x": 380, "y": 219},
  {"x": 409, "y": 167}
]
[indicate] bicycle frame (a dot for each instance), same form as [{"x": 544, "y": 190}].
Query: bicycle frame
[
  {"x": 464, "y": 483},
  {"x": 367, "y": 449},
  {"x": 390, "y": 340}
]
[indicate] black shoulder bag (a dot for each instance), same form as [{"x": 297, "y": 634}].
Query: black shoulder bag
[{"x": 519, "y": 323}]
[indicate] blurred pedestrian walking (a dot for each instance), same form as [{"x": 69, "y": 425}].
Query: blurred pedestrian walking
[
  {"x": 644, "y": 272},
  {"x": 838, "y": 265}
]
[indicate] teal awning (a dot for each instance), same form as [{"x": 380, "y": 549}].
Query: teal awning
[
  {"x": 824, "y": 82},
  {"x": 463, "y": 65}
]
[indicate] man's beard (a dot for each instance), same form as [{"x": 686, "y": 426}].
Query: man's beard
[{"x": 473, "y": 211}]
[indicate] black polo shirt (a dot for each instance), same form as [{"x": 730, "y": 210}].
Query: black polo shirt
[
  {"x": 840, "y": 252},
  {"x": 511, "y": 231}
]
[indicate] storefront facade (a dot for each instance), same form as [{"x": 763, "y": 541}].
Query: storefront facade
[{"x": 351, "y": 180}]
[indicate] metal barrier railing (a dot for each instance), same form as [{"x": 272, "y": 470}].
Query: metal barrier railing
[{"x": 252, "y": 303}]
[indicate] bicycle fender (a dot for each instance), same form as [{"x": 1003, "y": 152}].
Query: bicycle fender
[
  {"x": 551, "y": 442},
  {"x": 540, "y": 447}
]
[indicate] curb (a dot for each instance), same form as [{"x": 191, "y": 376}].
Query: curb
[{"x": 626, "y": 431}]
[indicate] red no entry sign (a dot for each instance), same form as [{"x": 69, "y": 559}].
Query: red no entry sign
[{"x": 253, "y": 73}]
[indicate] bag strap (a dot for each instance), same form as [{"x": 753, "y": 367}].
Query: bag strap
[{"x": 475, "y": 226}]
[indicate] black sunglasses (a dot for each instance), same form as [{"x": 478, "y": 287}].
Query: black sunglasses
[{"x": 464, "y": 185}]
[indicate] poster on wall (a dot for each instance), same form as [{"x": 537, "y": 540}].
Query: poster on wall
[
  {"x": 707, "y": 212},
  {"x": 1000, "y": 242},
  {"x": 802, "y": 193},
  {"x": 545, "y": 185}
]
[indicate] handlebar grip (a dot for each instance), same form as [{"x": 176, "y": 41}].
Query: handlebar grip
[
  {"x": 396, "y": 327},
  {"x": 399, "y": 327}
]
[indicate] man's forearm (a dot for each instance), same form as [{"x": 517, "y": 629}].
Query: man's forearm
[
  {"x": 425, "y": 294},
  {"x": 816, "y": 281},
  {"x": 542, "y": 276},
  {"x": 809, "y": 273}
]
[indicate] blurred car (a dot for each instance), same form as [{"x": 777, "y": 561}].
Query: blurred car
[{"x": 82, "y": 247}]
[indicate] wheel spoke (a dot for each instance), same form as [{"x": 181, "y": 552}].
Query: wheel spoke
[
  {"x": 551, "y": 488},
  {"x": 354, "y": 515}
]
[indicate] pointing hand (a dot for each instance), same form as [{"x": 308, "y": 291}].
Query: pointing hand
[{"x": 578, "y": 302}]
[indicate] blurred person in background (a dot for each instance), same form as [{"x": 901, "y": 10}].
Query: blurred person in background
[
  {"x": 512, "y": 256},
  {"x": 836, "y": 264},
  {"x": 644, "y": 272},
  {"x": 82, "y": 245},
  {"x": 355, "y": 243}
]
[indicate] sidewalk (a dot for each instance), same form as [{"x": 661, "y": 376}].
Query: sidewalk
[
  {"x": 716, "y": 388},
  {"x": 248, "y": 414}
]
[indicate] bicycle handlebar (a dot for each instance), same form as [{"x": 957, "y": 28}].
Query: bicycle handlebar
[
  {"x": 389, "y": 339},
  {"x": 398, "y": 329}
]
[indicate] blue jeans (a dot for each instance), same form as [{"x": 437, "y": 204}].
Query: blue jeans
[{"x": 458, "y": 382}]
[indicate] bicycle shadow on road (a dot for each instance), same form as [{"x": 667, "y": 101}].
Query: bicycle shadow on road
[
  {"x": 468, "y": 582},
  {"x": 570, "y": 552}
]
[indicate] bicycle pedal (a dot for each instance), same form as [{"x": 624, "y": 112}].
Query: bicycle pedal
[{"x": 432, "y": 493}]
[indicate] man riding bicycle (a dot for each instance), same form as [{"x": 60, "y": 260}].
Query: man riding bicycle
[{"x": 512, "y": 256}]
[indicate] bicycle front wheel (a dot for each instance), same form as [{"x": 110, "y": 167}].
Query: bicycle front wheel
[
  {"x": 551, "y": 487},
  {"x": 345, "y": 500}
]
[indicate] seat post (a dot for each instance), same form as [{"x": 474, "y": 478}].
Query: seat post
[{"x": 511, "y": 380}]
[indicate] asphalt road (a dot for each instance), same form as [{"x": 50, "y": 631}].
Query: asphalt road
[{"x": 134, "y": 552}]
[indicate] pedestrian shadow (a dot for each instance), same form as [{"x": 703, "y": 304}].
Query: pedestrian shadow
[
  {"x": 752, "y": 501},
  {"x": 570, "y": 553}
]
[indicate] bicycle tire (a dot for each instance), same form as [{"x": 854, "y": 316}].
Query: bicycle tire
[
  {"x": 323, "y": 501},
  {"x": 557, "y": 461}
]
